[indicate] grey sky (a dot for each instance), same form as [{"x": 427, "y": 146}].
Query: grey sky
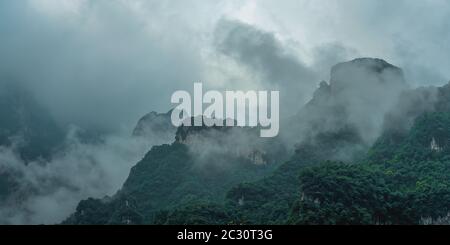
[{"x": 108, "y": 62}]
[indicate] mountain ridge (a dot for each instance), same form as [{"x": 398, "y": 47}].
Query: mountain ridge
[{"x": 333, "y": 131}]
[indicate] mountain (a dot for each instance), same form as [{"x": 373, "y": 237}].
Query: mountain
[
  {"x": 196, "y": 167},
  {"x": 26, "y": 128},
  {"x": 368, "y": 150},
  {"x": 25, "y": 125}
]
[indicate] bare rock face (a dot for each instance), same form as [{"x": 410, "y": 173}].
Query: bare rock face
[{"x": 367, "y": 89}]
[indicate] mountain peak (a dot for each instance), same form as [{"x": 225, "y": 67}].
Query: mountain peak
[{"x": 359, "y": 94}]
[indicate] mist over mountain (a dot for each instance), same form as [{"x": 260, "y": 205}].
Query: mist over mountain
[
  {"x": 156, "y": 126},
  {"x": 350, "y": 118},
  {"x": 356, "y": 99},
  {"x": 85, "y": 115}
]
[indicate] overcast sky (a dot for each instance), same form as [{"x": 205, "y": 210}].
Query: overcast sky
[{"x": 108, "y": 62}]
